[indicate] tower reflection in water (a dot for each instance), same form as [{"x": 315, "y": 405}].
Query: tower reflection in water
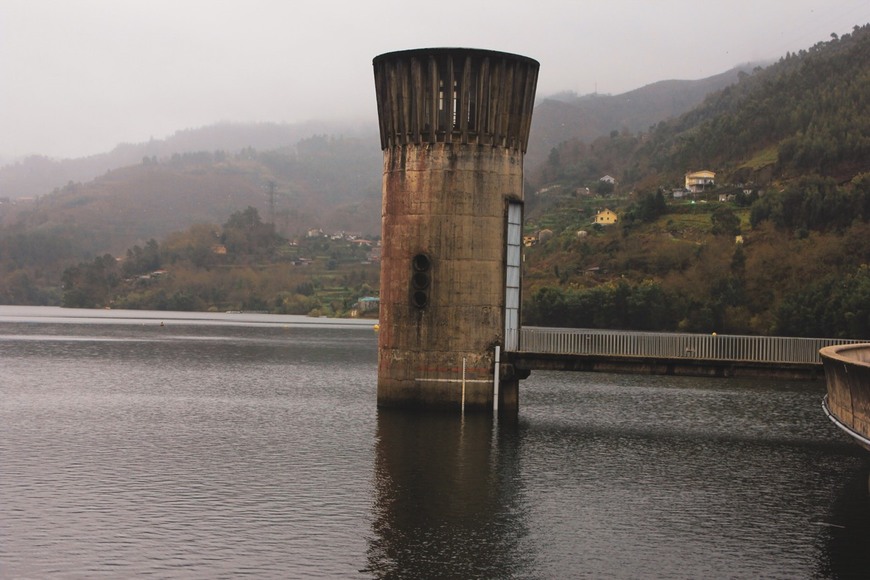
[{"x": 447, "y": 498}]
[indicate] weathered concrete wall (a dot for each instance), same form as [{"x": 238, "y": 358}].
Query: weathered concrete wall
[
  {"x": 847, "y": 372},
  {"x": 448, "y": 202},
  {"x": 454, "y": 127}
]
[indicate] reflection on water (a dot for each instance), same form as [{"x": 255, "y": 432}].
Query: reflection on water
[
  {"x": 847, "y": 550},
  {"x": 226, "y": 446},
  {"x": 447, "y": 502},
  {"x": 623, "y": 477}
]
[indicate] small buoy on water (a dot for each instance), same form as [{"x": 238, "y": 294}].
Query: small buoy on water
[{"x": 376, "y": 327}]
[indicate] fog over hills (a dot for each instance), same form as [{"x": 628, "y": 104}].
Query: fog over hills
[
  {"x": 39, "y": 175},
  {"x": 558, "y": 118},
  {"x": 568, "y": 116},
  {"x": 320, "y": 182},
  {"x": 324, "y": 175}
]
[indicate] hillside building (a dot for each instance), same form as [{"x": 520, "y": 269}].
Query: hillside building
[
  {"x": 606, "y": 217},
  {"x": 698, "y": 181}
]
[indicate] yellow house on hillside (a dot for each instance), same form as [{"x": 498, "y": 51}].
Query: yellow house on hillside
[
  {"x": 605, "y": 217},
  {"x": 698, "y": 181}
]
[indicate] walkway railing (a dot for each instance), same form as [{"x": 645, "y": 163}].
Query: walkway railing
[{"x": 712, "y": 347}]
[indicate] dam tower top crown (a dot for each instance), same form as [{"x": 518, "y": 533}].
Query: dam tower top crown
[{"x": 455, "y": 95}]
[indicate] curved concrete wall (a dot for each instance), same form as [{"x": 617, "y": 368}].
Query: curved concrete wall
[{"x": 847, "y": 372}]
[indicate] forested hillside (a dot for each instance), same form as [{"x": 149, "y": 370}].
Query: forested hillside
[
  {"x": 242, "y": 264},
  {"x": 780, "y": 267},
  {"x": 808, "y": 113},
  {"x": 296, "y": 189},
  {"x": 585, "y": 118},
  {"x": 780, "y": 244}
]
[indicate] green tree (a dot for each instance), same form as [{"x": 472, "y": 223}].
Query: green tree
[
  {"x": 834, "y": 306},
  {"x": 91, "y": 285},
  {"x": 725, "y": 221},
  {"x": 603, "y": 187},
  {"x": 197, "y": 245},
  {"x": 245, "y": 235},
  {"x": 142, "y": 260}
]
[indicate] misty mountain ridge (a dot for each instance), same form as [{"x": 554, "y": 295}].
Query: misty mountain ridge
[
  {"x": 296, "y": 188},
  {"x": 147, "y": 190},
  {"x": 566, "y": 116},
  {"x": 36, "y": 175},
  {"x": 557, "y": 118}
]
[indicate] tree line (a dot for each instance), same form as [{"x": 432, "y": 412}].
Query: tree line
[
  {"x": 800, "y": 267},
  {"x": 241, "y": 265}
]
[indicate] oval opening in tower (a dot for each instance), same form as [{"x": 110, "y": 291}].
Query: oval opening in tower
[
  {"x": 420, "y": 280},
  {"x": 421, "y": 263}
]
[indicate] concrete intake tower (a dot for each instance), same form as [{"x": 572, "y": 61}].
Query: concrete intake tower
[{"x": 454, "y": 126}]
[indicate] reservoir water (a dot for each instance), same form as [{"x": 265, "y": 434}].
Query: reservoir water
[{"x": 190, "y": 445}]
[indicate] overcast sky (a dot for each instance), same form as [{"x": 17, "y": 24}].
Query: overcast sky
[{"x": 77, "y": 77}]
